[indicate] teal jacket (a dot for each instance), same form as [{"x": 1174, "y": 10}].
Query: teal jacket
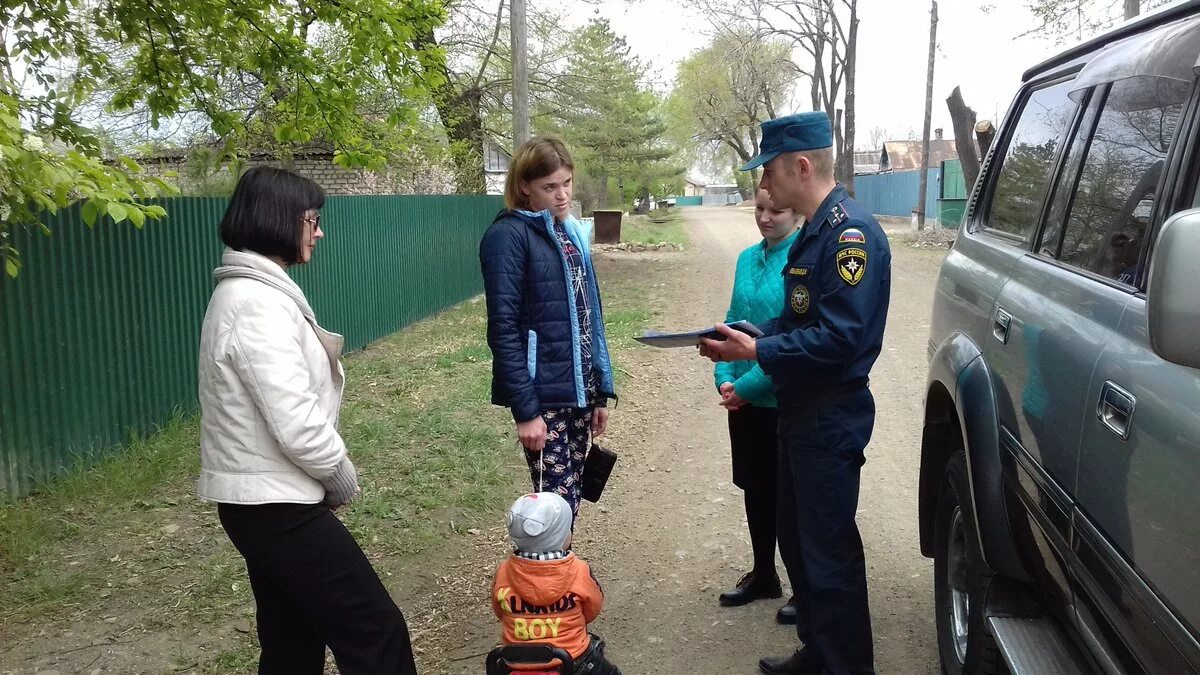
[{"x": 757, "y": 298}]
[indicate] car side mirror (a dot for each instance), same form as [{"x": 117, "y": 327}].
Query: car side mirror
[{"x": 1173, "y": 310}]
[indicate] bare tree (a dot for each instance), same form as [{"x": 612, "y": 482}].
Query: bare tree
[
  {"x": 826, "y": 31},
  {"x": 1074, "y": 19},
  {"x": 963, "y": 119},
  {"x": 878, "y": 136}
]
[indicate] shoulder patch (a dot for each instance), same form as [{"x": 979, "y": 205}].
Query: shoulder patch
[
  {"x": 852, "y": 235},
  {"x": 852, "y": 264}
]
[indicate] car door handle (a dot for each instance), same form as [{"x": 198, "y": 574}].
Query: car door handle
[
  {"x": 1000, "y": 325},
  {"x": 1116, "y": 409}
]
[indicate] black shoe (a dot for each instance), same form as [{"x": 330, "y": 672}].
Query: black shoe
[
  {"x": 787, "y": 614},
  {"x": 802, "y": 662},
  {"x": 750, "y": 588}
]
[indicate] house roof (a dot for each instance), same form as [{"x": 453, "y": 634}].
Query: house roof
[
  {"x": 906, "y": 155},
  {"x": 693, "y": 181}
]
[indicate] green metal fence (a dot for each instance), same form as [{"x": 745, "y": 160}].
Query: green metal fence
[
  {"x": 99, "y": 334},
  {"x": 952, "y": 201},
  {"x": 954, "y": 184}
]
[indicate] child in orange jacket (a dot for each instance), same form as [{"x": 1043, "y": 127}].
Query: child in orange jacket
[{"x": 543, "y": 593}]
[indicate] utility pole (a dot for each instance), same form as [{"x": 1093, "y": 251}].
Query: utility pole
[
  {"x": 933, "y": 20},
  {"x": 520, "y": 68}
]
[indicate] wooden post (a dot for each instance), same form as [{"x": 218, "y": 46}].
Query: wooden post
[
  {"x": 1132, "y": 8},
  {"x": 520, "y": 67},
  {"x": 928, "y": 115}
]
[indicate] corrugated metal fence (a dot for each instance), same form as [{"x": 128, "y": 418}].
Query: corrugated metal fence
[
  {"x": 99, "y": 334},
  {"x": 895, "y": 194}
]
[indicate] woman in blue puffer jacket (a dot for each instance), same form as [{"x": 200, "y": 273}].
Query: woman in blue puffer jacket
[{"x": 550, "y": 362}]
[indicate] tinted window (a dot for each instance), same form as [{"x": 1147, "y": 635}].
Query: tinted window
[
  {"x": 1025, "y": 172},
  {"x": 1065, "y": 188},
  {"x": 1110, "y": 211}
]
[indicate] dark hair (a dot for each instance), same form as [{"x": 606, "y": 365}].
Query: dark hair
[{"x": 265, "y": 213}]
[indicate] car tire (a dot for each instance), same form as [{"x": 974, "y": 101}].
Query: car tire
[{"x": 961, "y": 580}]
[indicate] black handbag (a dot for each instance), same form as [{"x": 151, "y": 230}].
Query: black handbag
[{"x": 596, "y": 469}]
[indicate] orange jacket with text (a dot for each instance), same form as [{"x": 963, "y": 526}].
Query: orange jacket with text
[{"x": 547, "y": 601}]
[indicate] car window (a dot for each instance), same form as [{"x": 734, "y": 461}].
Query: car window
[
  {"x": 1065, "y": 187},
  {"x": 1024, "y": 174},
  {"x": 1111, "y": 207}
]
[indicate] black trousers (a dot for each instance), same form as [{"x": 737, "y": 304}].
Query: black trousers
[
  {"x": 754, "y": 441},
  {"x": 820, "y": 461},
  {"x": 313, "y": 588}
]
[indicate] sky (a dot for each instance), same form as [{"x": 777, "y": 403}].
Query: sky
[{"x": 977, "y": 50}]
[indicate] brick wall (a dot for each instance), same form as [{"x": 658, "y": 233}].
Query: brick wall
[{"x": 338, "y": 181}]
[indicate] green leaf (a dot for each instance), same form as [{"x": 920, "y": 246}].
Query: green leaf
[
  {"x": 137, "y": 217},
  {"x": 90, "y": 212},
  {"x": 156, "y": 212},
  {"x": 118, "y": 211},
  {"x": 285, "y": 133},
  {"x": 12, "y": 266}
]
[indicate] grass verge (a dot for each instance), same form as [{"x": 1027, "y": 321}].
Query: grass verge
[{"x": 656, "y": 228}]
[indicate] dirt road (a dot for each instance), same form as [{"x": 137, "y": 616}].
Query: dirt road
[{"x": 670, "y": 532}]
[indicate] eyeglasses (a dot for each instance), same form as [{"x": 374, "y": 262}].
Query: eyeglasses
[{"x": 315, "y": 221}]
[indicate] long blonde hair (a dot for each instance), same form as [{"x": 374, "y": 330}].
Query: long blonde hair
[{"x": 537, "y": 158}]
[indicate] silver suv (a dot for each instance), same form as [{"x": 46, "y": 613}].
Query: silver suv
[{"x": 1060, "y": 460}]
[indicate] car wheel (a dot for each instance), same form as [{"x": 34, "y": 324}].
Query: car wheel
[{"x": 961, "y": 581}]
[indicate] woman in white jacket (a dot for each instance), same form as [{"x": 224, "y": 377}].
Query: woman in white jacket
[{"x": 270, "y": 453}]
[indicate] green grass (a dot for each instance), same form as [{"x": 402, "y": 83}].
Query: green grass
[
  {"x": 657, "y": 228},
  {"x": 128, "y": 538}
]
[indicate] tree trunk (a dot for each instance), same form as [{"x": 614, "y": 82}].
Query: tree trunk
[
  {"x": 462, "y": 121},
  {"x": 602, "y": 193},
  {"x": 928, "y": 115},
  {"x": 850, "y": 65},
  {"x": 1132, "y": 8},
  {"x": 643, "y": 206},
  {"x": 839, "y": 147},
  {"x": 985, "y": 133},
  {"x": 963, "y": 119}
]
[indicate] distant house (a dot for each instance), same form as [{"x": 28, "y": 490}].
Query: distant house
[
  {"x": 496, "y": 161},
  {"x": 692, "y": 188},
  {"x": 906, "y": 155},
  {"x": 722, "y": 195},
  {"x": 866, "y": 161}
]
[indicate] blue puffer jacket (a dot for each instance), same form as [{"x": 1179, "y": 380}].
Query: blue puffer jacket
[{"x": 533, "y": 331}]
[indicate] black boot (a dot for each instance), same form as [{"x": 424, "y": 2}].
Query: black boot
[
  {"x": 802, "y": 662},
  {"x": 752, "y": 587},
  {"x": 787, "y": 614}
]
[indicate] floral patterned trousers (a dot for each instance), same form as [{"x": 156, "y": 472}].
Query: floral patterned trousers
[{"x": 558, "y": 466}]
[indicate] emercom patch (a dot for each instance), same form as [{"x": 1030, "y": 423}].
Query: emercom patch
[{"x": 852, "y": 265}]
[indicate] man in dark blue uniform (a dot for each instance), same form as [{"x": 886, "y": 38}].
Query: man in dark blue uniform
[{"x": 819, "y": 353}]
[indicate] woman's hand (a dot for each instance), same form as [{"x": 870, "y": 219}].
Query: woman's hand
[
  {"x": 532, "y": 434},
  {"x": 729, "y": 398},
  {"x": 599, "y": 421},
  {"x": 733, "y": 402}
]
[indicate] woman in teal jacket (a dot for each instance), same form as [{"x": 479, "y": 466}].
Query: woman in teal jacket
[{"x": 746, "y": 391}]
